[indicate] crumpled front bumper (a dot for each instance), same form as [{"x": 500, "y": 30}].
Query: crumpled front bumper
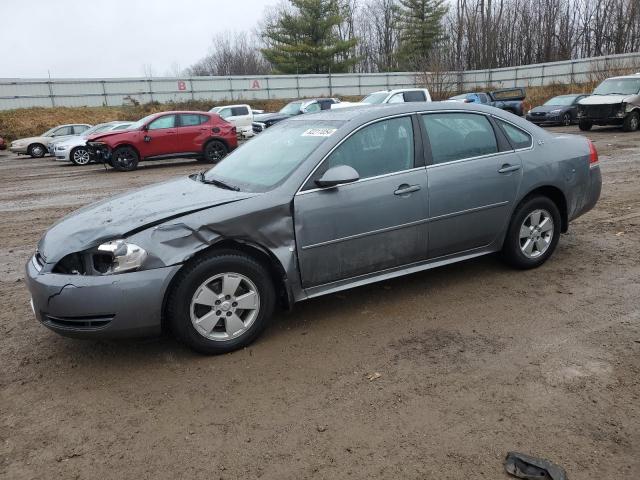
[
  {"x": 110, "y": 306},
  {"x": 99, "y": 152}
]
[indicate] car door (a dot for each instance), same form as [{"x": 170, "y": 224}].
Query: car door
[
  {"x": 473, "y": 178},
  {"x": 375, "y": 223},
  {"x": 160, "y": 137},
  {"x": 241, "y": 117},
  {"x": 193, "y": 132}
]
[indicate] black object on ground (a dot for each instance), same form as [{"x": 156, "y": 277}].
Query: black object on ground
[{"x": 531, "y": 468}]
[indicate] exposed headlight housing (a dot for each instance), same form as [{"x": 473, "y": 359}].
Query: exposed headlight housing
[{"x": 118, "y": 256}]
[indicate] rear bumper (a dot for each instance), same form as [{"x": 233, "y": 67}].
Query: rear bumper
[
  {"x": 592, "y": 194},
  {"x": 113, "y": 306}
]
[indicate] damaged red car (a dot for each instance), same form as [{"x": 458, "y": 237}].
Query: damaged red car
[{"x": 201, "y": 135}]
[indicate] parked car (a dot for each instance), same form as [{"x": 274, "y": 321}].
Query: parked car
[
  {"x": 74, "y": 149},
  {"x": 297, "y": 107},
  {"x": 562, "y": 110},
  {"x": 3, "y": 144},
  {"x": 241, "y": 116},
  {"x": 507, "y": 99},
  {"x": 401, "y": 95},
  {"x": 317, "y": 204},
  {"x": 37, "y": 147},
  {"x": 616, "y": 101},
  {"x": 160, "y": 136}
]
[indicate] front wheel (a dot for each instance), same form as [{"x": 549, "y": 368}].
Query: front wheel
[
  {"x": 533, "y": 233},
  {"x": 221, "y": 302},
  {"x": 566, "y": 119},
  {"x": 37, "y": 151},
  {"x": 215, "y": 151},
  {"x": 79, "y": 156},
  {"x": 585, "y": 125},
  {"x": 124, "y": 159},
  {"x": 631, "y": 122}
]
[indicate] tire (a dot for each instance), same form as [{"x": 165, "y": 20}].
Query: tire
[
  {"x": 631, "y": 122},
  {"x": 208, "y": 327},
  {"x": 585, "y": 125},
  {"x": 124, "y": 159},
  {"x": 526, "y": 247},
  {"x": 566, "y": 119},
  {"x": 37, "y": 150},
  {"x": 79, "y": 156},
  {"x": 214, "y": 151}
]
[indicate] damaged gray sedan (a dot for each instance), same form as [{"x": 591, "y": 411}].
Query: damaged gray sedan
[{"x": 317, "y": 204}]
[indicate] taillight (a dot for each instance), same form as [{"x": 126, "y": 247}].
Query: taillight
[{"x": 593, "y": 154}]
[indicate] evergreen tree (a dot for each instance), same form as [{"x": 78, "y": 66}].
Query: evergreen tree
[
  {"x": 304, "y": 39},
  {"x": 420, "y": 23}
]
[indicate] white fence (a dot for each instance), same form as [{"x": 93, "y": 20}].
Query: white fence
[{"x": 24, "y": 93}]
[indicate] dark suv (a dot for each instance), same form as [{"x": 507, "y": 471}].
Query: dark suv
[{"x": 164, "y": 135}]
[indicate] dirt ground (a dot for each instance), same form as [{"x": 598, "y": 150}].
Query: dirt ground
[{"x": 474, "y": 360}]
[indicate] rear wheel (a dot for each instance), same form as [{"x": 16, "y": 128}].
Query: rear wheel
[
  {"x": 124, "y": 159},
  {"x": 215, "y": 151},
  {"x": 37, "y": 150},
  {"x": 631, "y": 122},
  {"x": 79, "y": 156},
  {"x": 221, "y": 302},
  {"x": 533, "y": 233},
  {"x": 585, "y": 125}
]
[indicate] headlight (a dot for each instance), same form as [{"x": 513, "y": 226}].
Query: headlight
[
  {"x": 118, "y": 256},
  {"x": 627, "y": 107},
  {"x": 528, "y": 112},
  {"x": 555, "y": 112},
  {"x": 61, "y": 147}
]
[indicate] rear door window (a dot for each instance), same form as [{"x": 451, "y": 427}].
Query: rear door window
[
  {"x": 414, "y": 96},
  {"x": 457, "y": 136},
  {"x": 78, "y": 129},
  {"x": 192, "y": 119},
  {"x": 239, "y": 111},
  {"x": 517, "y": 138}
]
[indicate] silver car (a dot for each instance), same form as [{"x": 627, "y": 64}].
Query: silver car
[
  {"x": 317, "y": 204},
  {"x": 37, "y": 147},
  {"x": 74, "y": 149}
]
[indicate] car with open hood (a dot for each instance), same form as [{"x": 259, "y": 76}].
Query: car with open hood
[
  {"x": 616, "y": 101},
  {"x": 74, "y": 149},
  {"x": 160, "y": 136},
  {"x": 559, "y": 110},
  {"x": 38, "y": 147},
  {"x": 314, "y": 205}
]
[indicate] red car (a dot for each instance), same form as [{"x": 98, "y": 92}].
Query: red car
[
  {"x": 200, "y": 135},
  {"x": 3, "y": 144}
]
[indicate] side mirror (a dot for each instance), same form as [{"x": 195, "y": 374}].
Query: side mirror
[{"x": 338, "y": 175}]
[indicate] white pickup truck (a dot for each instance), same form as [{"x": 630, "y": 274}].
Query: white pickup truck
[{"x": 240, "y": 116}]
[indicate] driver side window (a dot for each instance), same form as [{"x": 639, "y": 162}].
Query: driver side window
[
  {"x": 377, "y": 149},
  {"x": 168, "y": 121}
]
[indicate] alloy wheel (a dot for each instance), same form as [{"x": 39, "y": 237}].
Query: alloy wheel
[
  {"x": 536, "y": 233},
  {"x": 81, "y": 156},
  {"x": 224, "y": 306},
  {"x": 216, "y": 152}
]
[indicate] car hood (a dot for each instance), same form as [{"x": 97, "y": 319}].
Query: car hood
[
  {"x": 264, "y": 117},
  {"x": 71, "y": 141},
  {"x": 101, "y": 136},
  {"x": 548, "y": 108},
  {"x": 45, "y": 140},
  {"x": 131, "y": 212},
  {"x": 604, "y": 99}
]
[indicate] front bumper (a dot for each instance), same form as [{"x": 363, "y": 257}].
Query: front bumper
[
  {"x": 544, "y": 119},
  {"x": 110, "y": 306},
  {"x": 20, "y": 150},
  {"x": 99, "y": 152},
  {"x": 62, "y": 155}
]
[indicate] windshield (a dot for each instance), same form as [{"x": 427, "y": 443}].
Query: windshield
[
  {"x": 561, "y": 100},
  {"x": 268, "y": 159},
  {"x": 375, "y": 98},
  {"x": 292, "y": 108},
  {"x": 140, "y": 123},
  {"x": 619, "y": 86},
  {"x": 49, "y": 132},
  {"x": 97, "y": 128}
]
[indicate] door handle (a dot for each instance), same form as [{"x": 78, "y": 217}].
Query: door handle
[
  {"x": 508, "y": 168},
  {"x": 406, "y": 189}
]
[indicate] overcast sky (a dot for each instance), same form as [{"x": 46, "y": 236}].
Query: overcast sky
[{"x": 114, "y": 38}]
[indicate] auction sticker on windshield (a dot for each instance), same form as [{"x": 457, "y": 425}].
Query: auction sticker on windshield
[{"x": 319, "y": 132}]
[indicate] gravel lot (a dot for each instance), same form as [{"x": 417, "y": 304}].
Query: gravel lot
[{"x": 473, "y": 360}]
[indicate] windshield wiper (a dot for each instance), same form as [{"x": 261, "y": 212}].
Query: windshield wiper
[{"x": 217, "y": 183}]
